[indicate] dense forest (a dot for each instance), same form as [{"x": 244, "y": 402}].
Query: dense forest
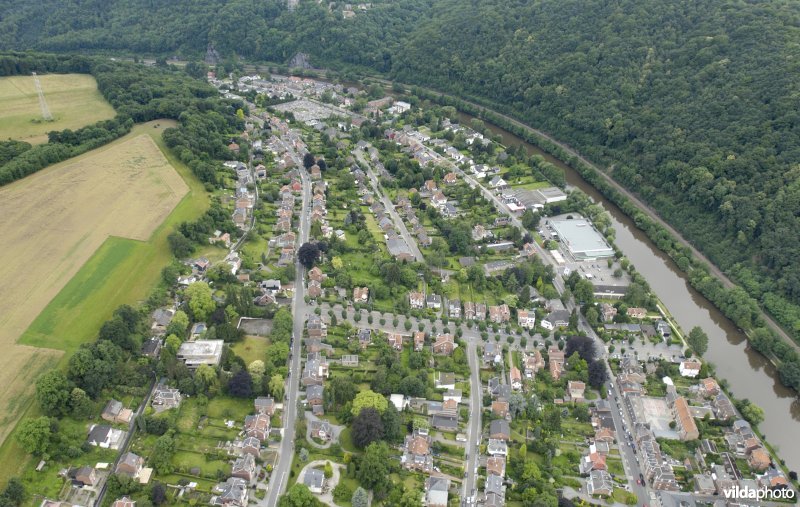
[{"x": 693, "y": 103}]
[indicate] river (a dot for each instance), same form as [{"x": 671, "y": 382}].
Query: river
[{"x": 748, "y": 373}]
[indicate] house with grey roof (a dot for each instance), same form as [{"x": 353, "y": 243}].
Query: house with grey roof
[{"x": 315, "y": 480}]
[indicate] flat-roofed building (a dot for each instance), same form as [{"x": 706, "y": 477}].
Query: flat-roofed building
[
  {"x": 581, "y": 238},
  {"x": 201, "y": 352}
]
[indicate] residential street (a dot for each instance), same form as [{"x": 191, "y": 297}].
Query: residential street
[
  {"x": 398, "y": 222},
  {"x": 280, "y": 474},
  {"x": 474, "y": 424}
]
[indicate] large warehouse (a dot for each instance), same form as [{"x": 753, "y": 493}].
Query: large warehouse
[{"x": 581, "y": 238}]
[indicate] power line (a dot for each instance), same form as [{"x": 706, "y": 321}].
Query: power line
[{"x": 42, "y": 103}]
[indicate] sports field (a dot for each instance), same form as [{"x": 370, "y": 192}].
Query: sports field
[
  {"x": 78, "y": 241},
  {"x": 73, "y": 100}
]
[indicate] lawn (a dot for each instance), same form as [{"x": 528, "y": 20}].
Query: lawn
[
  {"x": 230, "y": 408},
  {"x": 119, "y": 271},
  {"x": 73, "y": 101},
  {"x": 251, "y": 348},
  {"x": 186, "y": 460}
]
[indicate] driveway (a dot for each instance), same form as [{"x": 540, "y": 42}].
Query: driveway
[
  {"x": 326, "y": 496},
  {"x": 336, "y": 430}
]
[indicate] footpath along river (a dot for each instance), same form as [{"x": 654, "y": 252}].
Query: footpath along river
[{"x": 748, "y": 373}]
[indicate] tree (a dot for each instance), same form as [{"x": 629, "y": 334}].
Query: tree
[
  {"x": 367, "y": 427},
  {"x": 34, "y": 435},
  {"x": 751, "y": 412},
  {"x": 698, "y": 340},
  {"x": 256, "y": 368},
  {"x": 180, "y": 245},
  {"x": 179, "y": 324},
  {"x": 328, "y": 470},
  {"x": 308, "y": 254},
  {"x": 309, "y": 160},
  {"x": 393, "y": 430},
  {"x": 278, "y": 353},
  {"x": 52, "y": 392},
  {"x": 158, "y": 495},
  {"x": 360, "y": 498},
  {"x": 298, "y": 496},
  {"x": 369, "y": 399},
  {"x": 373, "y": 469},
  {"x": 241, "y": 385},
  {"x": 172, "y": 344},
  {"x": 205, "y": 380},
  {"x": 583, "y": 345},
  {"x": 276, "y": 386},
  {"x": 80, "y": 404},
  {"x": 161, "y": 457},
  {"x": 13, "y": 494},
  {"x": 200, "y": 301},
  {"x": 598, "y": 373},
  {"x": 341, "y": 390}
]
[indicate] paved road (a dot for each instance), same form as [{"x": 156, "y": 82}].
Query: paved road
[
  {"x": 280, "y": 473},
  {"x": 474, "y": 424},
  {"x": 398, "y": 222}
]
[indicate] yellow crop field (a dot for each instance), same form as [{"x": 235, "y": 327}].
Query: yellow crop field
[
  {"x": 53, "y": 222},
  {"x": 73, "y": 100}
]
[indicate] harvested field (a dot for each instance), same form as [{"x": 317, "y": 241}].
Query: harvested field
[
  {"x": 73, "y": 100},
  {"x": 54, "y": 222}
]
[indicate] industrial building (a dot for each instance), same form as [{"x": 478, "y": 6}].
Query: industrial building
[{"x": 580, "y": 238}]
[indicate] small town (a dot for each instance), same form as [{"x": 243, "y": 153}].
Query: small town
[{"x": 386, "y": 306}]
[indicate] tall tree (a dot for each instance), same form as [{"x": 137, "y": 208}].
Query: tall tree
[
  {"x": 367, "y": 427},
  {"x": 53, "y": 393},
  {"x": 698, "y": 340}
]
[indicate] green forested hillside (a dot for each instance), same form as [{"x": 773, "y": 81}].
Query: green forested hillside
[{"x": 694, "y": 102}]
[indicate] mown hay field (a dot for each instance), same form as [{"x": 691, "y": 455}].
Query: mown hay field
[
  {"x": 73, "y": 100},
  {"x": 101, "y": 207}
]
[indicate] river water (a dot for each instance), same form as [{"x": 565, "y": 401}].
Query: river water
[{"x": 748, "y": 373}]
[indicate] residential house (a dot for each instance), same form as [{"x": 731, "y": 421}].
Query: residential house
[
  {"x": 419, "y": 341},
  {"x": 532, "y": 363},
  {"x": 453, "y": 395},
  {"x": 438, "y": 199},
  {"x": 316, "y": 327},
  {"x": 85, "y": 477},
  {"x": 556, "y": 319},
  {"x": 499, "y": 314},
  {"x": 244, "y": 467},
  {"x": 152, "y": 347},
  {"x": 434, "y": 301},
  {"x": 632, "y": 368},
  {"x": 119, "y": 502},
  {"x": 526, "y": 318},
  {"x": 709, "y": 387},
  {"x": 604, "y": 435},
  {"x": 499, "y": 429},
  {"x": 257, "y": 426},
  {"x": 556, "y": 358},
  {"x": 500, "y": 408},
  {"x": 469, "y": 310},
  {"x": 364, "y": 337},
  {"x": 315, "y": 395},
  {"x": 417, "y": 454},
  {"x": 316, "y": 274},
  {"x": 445, "y": 422},
  {"x": 480, "y": 311},
  {"x": 498, "y": 183},
  {"x": 498, "y": 390},
  {"x": 231, "y": 493},
  {"x": 496, "y": 465},
  {"x": 315, "y": 371},
  {"x": 528, "y": 250},
  {"x": 636, "y": 313},
  {"x": 321, "y": 429},
  {"x": 416, "y": 300},
  {"x": 496, "y": 447},
  {"x": 607, "y": 312},
  {"x": 130, "y": 464},
  {"x": 515, "y": 378},
  {"x": 395, "y": 340},
  {"x": 450, "y": 178},
  {"x": 494, "y": 491},
  {"x": 252, "y": 446},
  {"x": 115, "y": 412},
  {"x": 454, "y": 308},
  {"x": 165, "y": 398},
  {"x": 600, "y": 483},
  {"x": 759, "y": 459},
  {"x": 575, "y": 391},
  {"x": 430, "y": 186},
  {"x": 436, "y": 491},
  {"x": 492, "y": 354},
  {"x": 264, "y": 405},
  {"x": 723, "y": 408},
  {"x": 444, "y": 344},
  {"x": 444, "y": 380},
  {"x": 690, "y": 368},
  {"x": 199, "y": 352},
  {"x": 360, "y": 294},
  {"x": 314, "y": 289},
  {"x": 161, "y": 319},
  {"x": 592, "y": 461},
  {"x": 685, "y": 425},
  {"x": 105, "y": 437}
]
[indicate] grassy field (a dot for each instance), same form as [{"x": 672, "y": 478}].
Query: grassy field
[
  {"x": 73, "y": 100},
  {"x": 119, "y": 271},
  {"x": 251, "y": 348}
]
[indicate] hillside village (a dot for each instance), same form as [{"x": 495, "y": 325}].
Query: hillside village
[{"x": 386, "y": 305}]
